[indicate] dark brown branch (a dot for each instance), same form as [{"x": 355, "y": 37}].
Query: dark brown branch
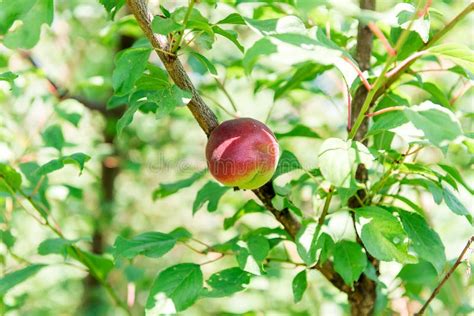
[
  {"x": 208, "y": 121},
  {"x": 446, "y": 277}
]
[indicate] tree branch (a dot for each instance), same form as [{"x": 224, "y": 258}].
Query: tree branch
[
  {"x": 446, "y": 277},
  {"x": 208, "y": 121}
]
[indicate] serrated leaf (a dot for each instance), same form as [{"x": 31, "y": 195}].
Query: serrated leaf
[
  {"x": 299, "y": 286},
  {"x": 78, "y": 159},
  {"x": 28, "y": 33},
  {"x": 349, "y": 260},
  {"x": 11, "y": 11},
  {"x": 11, "y": 177},
  {"x": 53, "y": 137},
  {"x": 150, "y": 244},
  {"x": 227, "y": 282},
  {"x": 383, "y": 235},
  {"x": 305, "y": 240},
  {"x": 426, "y": 241},
  {"x": 287, "y": 163},
  {"x": 299, "y": 130},
  {"x": 174, "y": 289},
  {"x": 129, "y": 66},
  {"x": 211, "y": 192},
  {"x": 8, "y": 281}
]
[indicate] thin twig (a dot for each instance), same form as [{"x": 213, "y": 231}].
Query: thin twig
[
  {"x": 324, "y": 213},
  {"x": 377, "y": 32},
  {"x": 446, "y": 277},
  {"x": 385, "y": 110},
  {"x": 359, "y": 73},
  {"x": 227, "y": 94}
]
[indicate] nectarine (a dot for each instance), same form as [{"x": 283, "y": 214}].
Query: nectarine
[{"x": 242, "y": 153}]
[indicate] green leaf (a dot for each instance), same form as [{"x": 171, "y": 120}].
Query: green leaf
[
  {"x": 233, "y": 18},
  {"x": 100, "y": 265},
  {"x": 7, "y": 238},
  {"x": 306, "y": 242},
  {"x": 457, "y": 53},
  {"x": 455, "y": 205},
  {"x": 8, "y": 77},
  {"x": 230, "y": 35},
  {"x": 11, "y": 177},
  {"x": 338, "y": 160},
  {"x": 211, "y": 192},
  {"x": 112, "y": 6},
  {"x": 150, "y": 244},
  {"x": 453, "y": 172},
  {"x": 438, "y": 124},
  {"x": 227, "y": 282},
  {"x": 129, "y": 66},
  {"x": 249, "y": 207},
  {"x": 437, "y": 94},
  {"x": 426, "y": 241},
  {"x": 386, "y": 122},
  {"x": 261, "y": 47},
  {"x": 53, "y": 137},
  {"x": 165, "y": 26},
  {"x": 174, "y": 289},
  {"x": 28, "y": 33},
  {"x": 286, "y": 24},
  {"x": 299, "y": 286},
  {"x": 78, "y": 159},
  {"x": 11, "y": 11},
  {"x": 299, "y": 130},
  {"x": 203, "y": 60},
  {"x": 326, "y": 244},
  {"x": 383, "y": 235},
  {"x": 432, "y": 186},
  {"x": 181, "y": 234},
  {"x": 58, "y": 246},
  {"x": 419, "y": 273},
  {"x": 170, "y": 98},
  {"x": 166, "y": 189},
  {"x": 349, "y": 260},
  {"x": 251, "y": 254},
  {"x": 305, "y": 72},
  {"x": 287, "y": 163},
  {"x": 10, "y": 280}
]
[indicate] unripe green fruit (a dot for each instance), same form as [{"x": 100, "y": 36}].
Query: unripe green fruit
[{"x": 242, "y": 153}]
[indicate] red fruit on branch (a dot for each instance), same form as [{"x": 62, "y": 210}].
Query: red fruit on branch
[{"x": 242, "y": 153}]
